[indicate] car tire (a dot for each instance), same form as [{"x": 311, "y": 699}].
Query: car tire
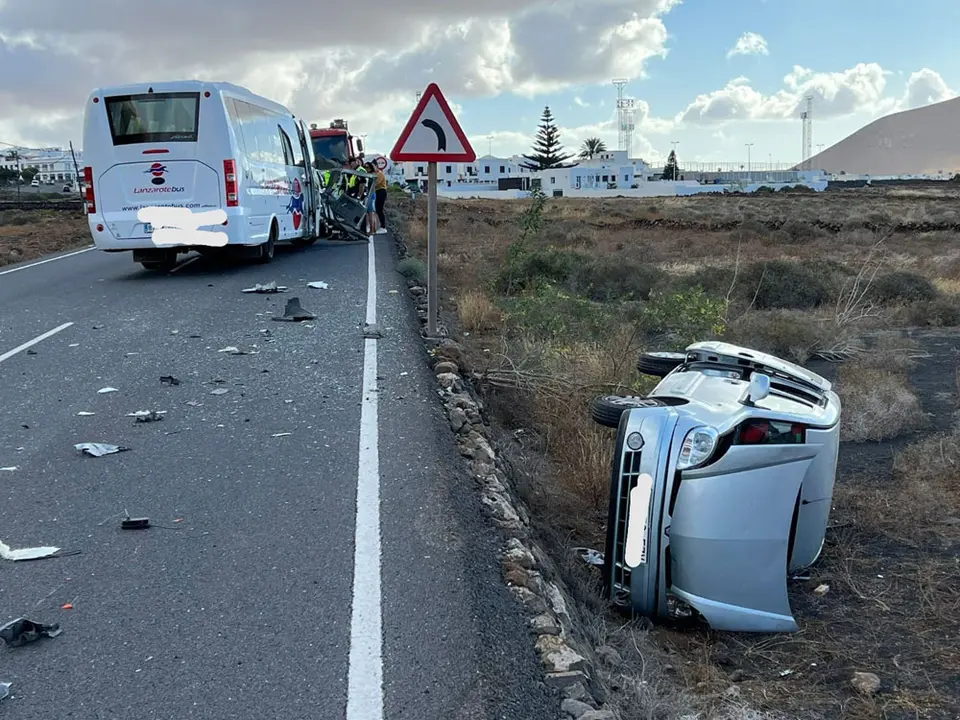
[
  {"x": 659, "y": 364},
  {"x": 606, "y": 410},
  {"x": 268, "y": 248}
]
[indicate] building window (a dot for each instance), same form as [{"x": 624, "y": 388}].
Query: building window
[
  {"x": 449, "y": 169},
  {"x": 606, "y": 178},
  {"x": 502, "y": 169},
  {"x": 419, "y": 169},
  {"x": 553, "y": 180},
  {"x": 486, "y": 169}
]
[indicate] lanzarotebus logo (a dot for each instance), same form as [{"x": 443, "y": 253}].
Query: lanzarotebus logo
[{"x": 157, "y": 170}]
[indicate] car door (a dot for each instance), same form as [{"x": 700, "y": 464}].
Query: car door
[{"x": 730, "y": 536}]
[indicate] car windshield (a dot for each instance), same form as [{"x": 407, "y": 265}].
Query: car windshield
[{"x": 330, "y": 151}]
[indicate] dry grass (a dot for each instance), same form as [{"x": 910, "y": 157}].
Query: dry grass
[
  {"x": 799, "y": 291},
  {"x": 878, "y": 404},
  {"x": 477, "y": 312},
  {"x": 27, "y": 235}
]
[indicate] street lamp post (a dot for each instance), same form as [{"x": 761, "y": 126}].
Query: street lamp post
[{"x": 749, "y": 145}]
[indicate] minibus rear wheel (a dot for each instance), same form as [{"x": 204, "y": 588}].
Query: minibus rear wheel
[{"x": 266, "y": 250}]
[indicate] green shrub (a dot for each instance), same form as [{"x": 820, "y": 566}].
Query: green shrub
[
  {"x": 526, "y": 270},
  {"x": 608, "y": 279},
  {"x": 790, "y": 334},
  {"x": 784, "y": 284},
  {"x": 714, "y": 281},
  {"x": 557, "y": 317},
  {"x": 689, "y": 316},
  {"x": 902, "y": 286},
  {"x": 413, "y": 269}
]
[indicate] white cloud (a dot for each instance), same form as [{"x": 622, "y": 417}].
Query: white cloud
[
  {"x": 581, "y": 102},
  {"x": 835, "y": 94},
  {"x": 750, "y": 43},
  {"x": 926, "y": 87},
  {"x": 332, "y": 62}
]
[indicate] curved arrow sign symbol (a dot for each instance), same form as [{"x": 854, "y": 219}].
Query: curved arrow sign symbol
[{"x": 441, "y": 135}]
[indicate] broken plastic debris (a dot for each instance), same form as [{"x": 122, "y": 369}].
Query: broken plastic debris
[
  {"x": 22, "y": 631},
  {"x": 219, "y": 391},
  {"x": 590, "y": 556},
  {"x": 12, "y": 468},
  {"x": 318, "y": 285},
  {"x": 281, "y": 434},
  {"x": 83, "y": 413},
  {"x": 371, "y": 331},
  {"x": 135, "y": 523},
  {"x": 144, "y": 416},
  {"x": 230, "y": 349},
  {"x": 104, "y": 391},
  {"x": 34, "y": 553},
  {"x": 168, "y": 380},
  {"x": 194, "y": 403},
  {"x": 821, "y": 590},
  {"x": 294, "y": 312},
  {"x": 99, "y": 449},
  {"x": 4, "y": 690},
  {"x": 266, "y": 289}
]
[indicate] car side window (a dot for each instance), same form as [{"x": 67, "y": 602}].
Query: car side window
[{"x": 287, "y": 147}]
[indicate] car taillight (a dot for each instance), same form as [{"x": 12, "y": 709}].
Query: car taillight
[
  {"x": 762, "y": 432},
  {"x": 230, "y": 183},
  {"x": 88, "y": 195}
]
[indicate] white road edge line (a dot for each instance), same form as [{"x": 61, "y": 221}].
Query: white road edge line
[
  {"x": 48, "y": 260},
  {"x": 365, "y": 678},
  {"x": 30, "y": 343}
]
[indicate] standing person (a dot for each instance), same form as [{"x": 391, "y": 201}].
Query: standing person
[
  {"x": 381, "y": 198},
  {"x": 371, "y": 203}
]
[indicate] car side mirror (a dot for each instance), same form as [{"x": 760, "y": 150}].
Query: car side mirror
[
  {"x": 759, "y": 387},
  {"x": 360, "y": 145}
]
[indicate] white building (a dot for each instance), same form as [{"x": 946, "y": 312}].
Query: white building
[
  {"x": 54, "y": 165},
  {"x": 486, "y": 170}
]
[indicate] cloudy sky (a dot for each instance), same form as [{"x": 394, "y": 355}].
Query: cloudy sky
[{"x": 711, "y": 75}]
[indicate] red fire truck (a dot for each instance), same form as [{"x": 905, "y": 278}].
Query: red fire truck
[{"x": 334, "y": 146}]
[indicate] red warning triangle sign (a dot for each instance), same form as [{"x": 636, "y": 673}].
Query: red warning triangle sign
[{"x": 432, "y": 134}]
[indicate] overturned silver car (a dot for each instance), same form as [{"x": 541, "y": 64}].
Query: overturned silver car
[{"x": 721, "y": 486}]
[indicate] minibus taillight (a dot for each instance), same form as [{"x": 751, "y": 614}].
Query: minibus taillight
[
  {"x": 88, "y": 190},
  {"x": 230, "y": 181}
]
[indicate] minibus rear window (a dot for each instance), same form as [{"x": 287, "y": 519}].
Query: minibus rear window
[{"x": 153, "y": 117}]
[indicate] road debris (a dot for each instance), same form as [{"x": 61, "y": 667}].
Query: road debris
[
  {"x": 318, "y": 285},
  {"x": 219, "y": 391},
  {"x": 266, "y": 289},
  {"x": 24, "y": 554},
  {"x": 294, "y": 312},
  {"x": 99, "y": 449},
  {"x": 104, "y": 391},
  {"x": 145, "y": 416},
  {"x": 821, "y": 590},
  {"x": 83, "y": 413},
  {"x": 12, "y": 468},
  {"x": 371, "y": 331},
  {"x": 22, "y": 631},
  {"x": 4, "y": 690},
  {"x": 67, "y": 606},
  {"x": 233, "y": 350},
  {"x": 590, "y": 556},
  {"x": 168, "y": 380},
  {"x": 281, "y": 434},
  {"x": 194, "y": 403},
  {"x": 129, "y": 523}
]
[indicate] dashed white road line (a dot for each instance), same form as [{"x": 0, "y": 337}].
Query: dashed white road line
[
  {"x": 365, "y": 679},
  {"x": 30, "y": 343},
  {"x": 48, "y": 260}
]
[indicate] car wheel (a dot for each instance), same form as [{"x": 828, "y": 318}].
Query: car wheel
[
  {"x": 607, "y": 409},
  {"x": 267, "y": 249},
  {"x": 659, "y": 364}
]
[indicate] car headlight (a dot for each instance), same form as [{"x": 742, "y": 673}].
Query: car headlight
[{"x": 697, "y": 447}]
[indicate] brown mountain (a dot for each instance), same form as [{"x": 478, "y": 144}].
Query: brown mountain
[{"x": 922, "y": 141}]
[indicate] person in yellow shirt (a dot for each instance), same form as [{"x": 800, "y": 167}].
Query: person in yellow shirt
[{"x": 380, "y": 185}]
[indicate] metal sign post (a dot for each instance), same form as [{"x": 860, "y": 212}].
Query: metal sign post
[
  {"x": 433, "y": 135},
  {"x": 432, "y": 294}
]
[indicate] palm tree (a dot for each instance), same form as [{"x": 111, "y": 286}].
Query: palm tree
[{"x": 592, "y": 146}]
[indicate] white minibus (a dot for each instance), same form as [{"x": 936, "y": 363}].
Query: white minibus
[{"x": 201, "y": 146}]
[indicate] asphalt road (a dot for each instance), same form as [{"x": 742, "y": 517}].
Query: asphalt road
[{"x": 239, "y": 602}]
